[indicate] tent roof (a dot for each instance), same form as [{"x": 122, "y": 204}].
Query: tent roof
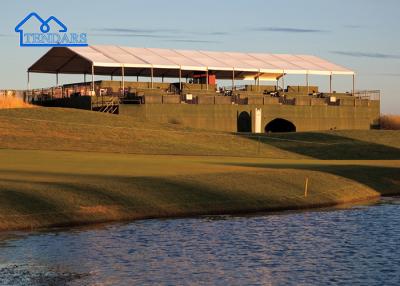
[{"x": 165, "y": 62}]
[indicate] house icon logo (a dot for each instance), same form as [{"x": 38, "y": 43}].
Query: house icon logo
[{"x": 49, "y": 33}]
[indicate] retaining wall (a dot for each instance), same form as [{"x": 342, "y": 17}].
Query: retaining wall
[{"x": 224, "y": 117}]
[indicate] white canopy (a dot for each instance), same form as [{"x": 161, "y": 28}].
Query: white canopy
[{"x": 110, "y": 60}]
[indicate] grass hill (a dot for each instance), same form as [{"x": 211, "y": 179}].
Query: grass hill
[
  {"x": 65, "y": 166},
  {"x": 79, "y": 130}
]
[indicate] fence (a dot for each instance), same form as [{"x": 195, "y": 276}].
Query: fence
[
  {"x": 368, "y": 94},
  {"x": 239, "y": 96}
]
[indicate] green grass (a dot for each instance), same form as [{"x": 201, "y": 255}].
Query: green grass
[
  {"x": 65, "y": 167},
  {"x": 79, "y": 130},
  {"x": 340, "y": 145},
  {"x": 43, "y": 188}
]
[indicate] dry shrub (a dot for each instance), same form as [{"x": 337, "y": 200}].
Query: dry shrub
[
  {"x": 390, "y": 122},
  {"x": 13, "y": 102}
]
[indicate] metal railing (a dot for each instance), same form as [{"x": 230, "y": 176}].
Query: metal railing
[
  {"x": 368, "y": 94},
  {"x": 46, "y": 94}
]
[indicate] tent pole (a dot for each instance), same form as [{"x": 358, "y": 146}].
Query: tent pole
[
  {"x": 207, "y": 78},
  {"x": 233, "y": 79},
  {"x": 180, "y": 79},
  {"x": 92, "y": 80},
  {"x": 123, "y": 81},
  {"x": 84, "y": 82},
  {"x": 152, "y": 75},
  {"x": 28, "y": 82},
  {"x": 257, "y": 85}
]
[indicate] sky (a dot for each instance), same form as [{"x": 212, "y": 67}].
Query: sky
[{"x": 362, "y": 35}]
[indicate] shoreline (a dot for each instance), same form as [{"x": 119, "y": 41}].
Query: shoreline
[{"x": 129, "y": 219}]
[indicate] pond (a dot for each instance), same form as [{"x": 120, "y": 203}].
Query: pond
[{"x": 353, "y": 245}]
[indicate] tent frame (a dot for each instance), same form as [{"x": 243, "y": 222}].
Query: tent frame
[{"x": 99, "y": 60}]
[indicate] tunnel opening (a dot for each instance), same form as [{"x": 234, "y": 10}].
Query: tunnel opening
[
  {"x": 280, "y": 125},
  {"x": 244, "y": 122}
]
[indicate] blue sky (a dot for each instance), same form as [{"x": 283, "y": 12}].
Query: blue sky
[{"x": 362, "y": 35}]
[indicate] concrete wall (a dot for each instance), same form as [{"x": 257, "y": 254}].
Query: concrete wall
[{"x": 224, "y": 117}]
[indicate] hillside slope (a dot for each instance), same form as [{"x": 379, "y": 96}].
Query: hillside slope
[
  {"x": 79, "y": 130},
  {"x": 68, "y": 167}
]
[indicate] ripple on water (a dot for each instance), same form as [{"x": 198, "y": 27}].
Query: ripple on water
[{"x": 348, "y": 246}]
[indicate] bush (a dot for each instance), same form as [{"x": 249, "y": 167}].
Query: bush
[
  {"x": 12, "y": 102},
  {"x": 390, "y": 122}
]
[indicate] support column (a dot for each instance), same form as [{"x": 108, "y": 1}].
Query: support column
[
  {"x": 354, "y": 79},
  {"x": 111, "y": 77},
  {"x": 137, "y": 78},
  {"x": 56, "y": 79},
  {"x": 207, "y": 78},
  {"x": 123, "y": 80},
  {"x": 180, "y": 79},
  {"x": 152, "y": 75},
  {"x": 84, "y": 82},
  {"x": 283, "y": 83},
  {"x": 92, "y": 80},
  {"x": 28, "y": 85},
  {"x": 330, "y": 83},
  {"x": 308, "y": 84},
  {"x": 233, "y": 79}
]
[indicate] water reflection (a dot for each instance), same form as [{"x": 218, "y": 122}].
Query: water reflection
[{"x": 358, "y": 245}]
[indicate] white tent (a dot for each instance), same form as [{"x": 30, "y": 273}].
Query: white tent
[{"x": 129, "y": 61}]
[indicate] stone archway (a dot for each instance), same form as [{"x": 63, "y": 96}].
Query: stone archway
[
  {"x": 280, "y": 125},
  {"x": 244, "y": 122}
]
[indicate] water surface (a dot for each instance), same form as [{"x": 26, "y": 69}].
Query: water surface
[{"x": 353, "y": 246}]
